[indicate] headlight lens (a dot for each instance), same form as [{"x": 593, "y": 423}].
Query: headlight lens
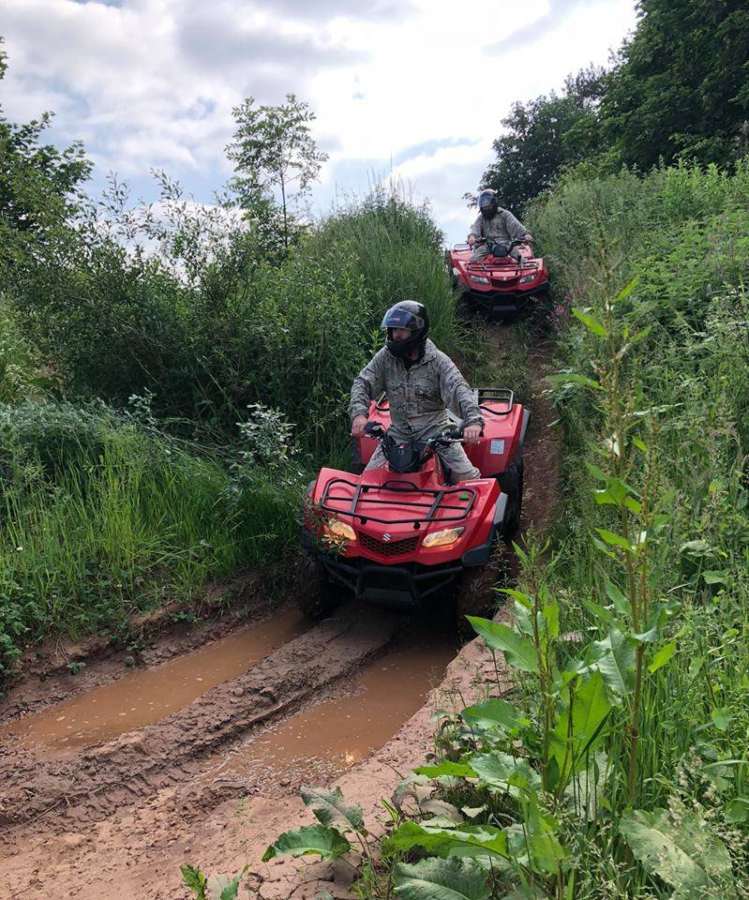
[
  {"x": 481, "y": 279},
  {"x": 442, "y": 538},
  {"x": 526, "y": 278},
  {"x": 340, "y": 530}
]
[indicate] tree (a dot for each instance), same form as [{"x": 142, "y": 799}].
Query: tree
[
  {"x": 681, "y": 86},
  {"x": 273, "y": 148},
  {"x": 39, "y": 187},
  {"x": 545, "y": 135}
]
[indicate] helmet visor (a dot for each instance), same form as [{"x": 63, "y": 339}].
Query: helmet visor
[
  {"x": 402, "y": 318},
  {"x": 487, "y": 201}
]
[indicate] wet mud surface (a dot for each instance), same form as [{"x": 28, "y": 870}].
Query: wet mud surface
[
  {"x": 97, "y": 804},
  {"x": 145, "y": 696}
]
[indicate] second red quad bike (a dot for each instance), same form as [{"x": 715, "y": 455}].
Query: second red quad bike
[
  {"x": 499, "y": 283},
  {"x": 400, "y": 535}
]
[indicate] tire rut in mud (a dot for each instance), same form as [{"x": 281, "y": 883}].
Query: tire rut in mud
[{"x": 92, "y": 784}]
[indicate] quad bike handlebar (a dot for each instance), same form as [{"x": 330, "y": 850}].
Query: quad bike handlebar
[{"x": 452, "y": 435}]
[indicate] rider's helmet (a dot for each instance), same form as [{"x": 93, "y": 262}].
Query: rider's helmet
[
  {"x": 411, "y": 315},
  {"x": 488, "y": 204}
]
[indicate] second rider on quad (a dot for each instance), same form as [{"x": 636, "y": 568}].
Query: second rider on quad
[
  {"x": 494, "y": 225},
  {"x": 422, "y": 383}
]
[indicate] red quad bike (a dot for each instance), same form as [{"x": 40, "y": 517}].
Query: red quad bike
[
  {"x": 499, "y": 283},
  {"x": 399, "y": 536}
]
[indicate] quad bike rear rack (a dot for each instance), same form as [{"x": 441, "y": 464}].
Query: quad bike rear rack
[
  {"x": 437, "y": 504},
  {"x": 496, "y": 395}
]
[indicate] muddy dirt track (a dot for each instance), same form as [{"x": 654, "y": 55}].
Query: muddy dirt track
[{"x": 199, "y": 759}]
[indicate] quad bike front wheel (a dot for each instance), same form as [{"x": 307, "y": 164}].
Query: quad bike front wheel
[{"x": 316, "y": 594}]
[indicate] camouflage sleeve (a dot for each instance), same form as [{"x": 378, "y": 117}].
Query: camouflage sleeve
[
  {"x": 476, "y": 227},
  {"x": 516, "y": 230},
  {"x": 456, "y": 394},
  {"x": 367, "y": 386}
]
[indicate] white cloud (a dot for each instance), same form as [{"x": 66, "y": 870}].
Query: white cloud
[{"x": 151, "y": 83}]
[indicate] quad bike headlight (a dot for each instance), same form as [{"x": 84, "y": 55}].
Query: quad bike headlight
[
  {"x": 340, "y": 530},
  {"x": 442, "y": 538},
  {"x": 481, "y": 279},
  {"x": 527, "y": 278}
]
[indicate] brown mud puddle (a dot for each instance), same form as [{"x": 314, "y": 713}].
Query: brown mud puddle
[
  {"x": 147, "y": 696},
  {"x": 335, "y": 734}
]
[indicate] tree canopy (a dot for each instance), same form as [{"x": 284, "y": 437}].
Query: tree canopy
[{"x": 678, "y": 90}]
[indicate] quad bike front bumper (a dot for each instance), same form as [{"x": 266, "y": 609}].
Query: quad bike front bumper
[
  {"x": 407, "y": 586},
  {"x": 501, "y": 303}
]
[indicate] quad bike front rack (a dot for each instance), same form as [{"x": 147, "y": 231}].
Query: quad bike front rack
[{"x": 376, "y": 495}]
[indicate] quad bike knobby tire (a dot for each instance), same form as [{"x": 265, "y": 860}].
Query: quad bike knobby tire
[
  {"x": 316, "y": 594},
  {"x": 511, "y": 483}
]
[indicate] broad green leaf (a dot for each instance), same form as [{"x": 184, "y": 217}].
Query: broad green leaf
[
  {"x": 441, "y": 879},
  {"x": 326, "y": 842},
  {"x": 737, "y": 811},
  {"x": 443, "y": 810},
  {"x": 573, "y": 378},
  {"x": 576, "y": 733},
  {"x": 500, "y": 770},
  {"x": 551, "y": 619},
  {"x": 615, "y": 660},
  {"x": 721, "y": 718},
  {"x": 327, "y": 805},
  {"x": 494, "y": 712},
  {"x": 627, "y": 289},
  {"x": 640, "y": 444},
  {"x": 225, "y": 887},
  {"x": 590, "y": 322},
  {"x": 712, "y": 577},
  {"x": 444, "y": 842},
  {"x": 662, "y": 656},
  {"x": 519, "y": 596},
  {"x": 614, "y": 540},
  {"x": 518, "y": 651},
  {"x": 618, "y": 598},
  {"x": 545, "y": 851},
  {"x": 453, "y": 769},
  {"x": 600, "y": 612},
  {"x": 684, "y": 853},
  {"x": 193, "y": 878}
]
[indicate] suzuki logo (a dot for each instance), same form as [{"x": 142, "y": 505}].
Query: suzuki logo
[{"x": 386, "y": 538}]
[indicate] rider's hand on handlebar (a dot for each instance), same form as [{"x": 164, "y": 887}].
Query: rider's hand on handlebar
[
  {"x": 471, "y": 433},
  {"x": 471, "y": 240},
  {"x": 357, "y": 425}
]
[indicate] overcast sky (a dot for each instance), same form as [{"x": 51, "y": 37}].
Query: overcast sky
[{"x": 413, "y": 88}]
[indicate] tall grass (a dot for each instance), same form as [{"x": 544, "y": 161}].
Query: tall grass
[{"x": 102, "y": 519}]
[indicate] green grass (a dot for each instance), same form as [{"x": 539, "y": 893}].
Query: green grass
[{"x": 104, "y": 519}]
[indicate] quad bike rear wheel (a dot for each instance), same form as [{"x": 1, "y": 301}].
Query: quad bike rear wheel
[
  {"x": 316, "y": 594},
  {"x": 511, "y": 482}
]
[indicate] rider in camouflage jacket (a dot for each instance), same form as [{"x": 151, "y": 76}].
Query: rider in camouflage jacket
[
  {"x": 494, "y": 224},
  {"x": 420, "y": 391}
]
